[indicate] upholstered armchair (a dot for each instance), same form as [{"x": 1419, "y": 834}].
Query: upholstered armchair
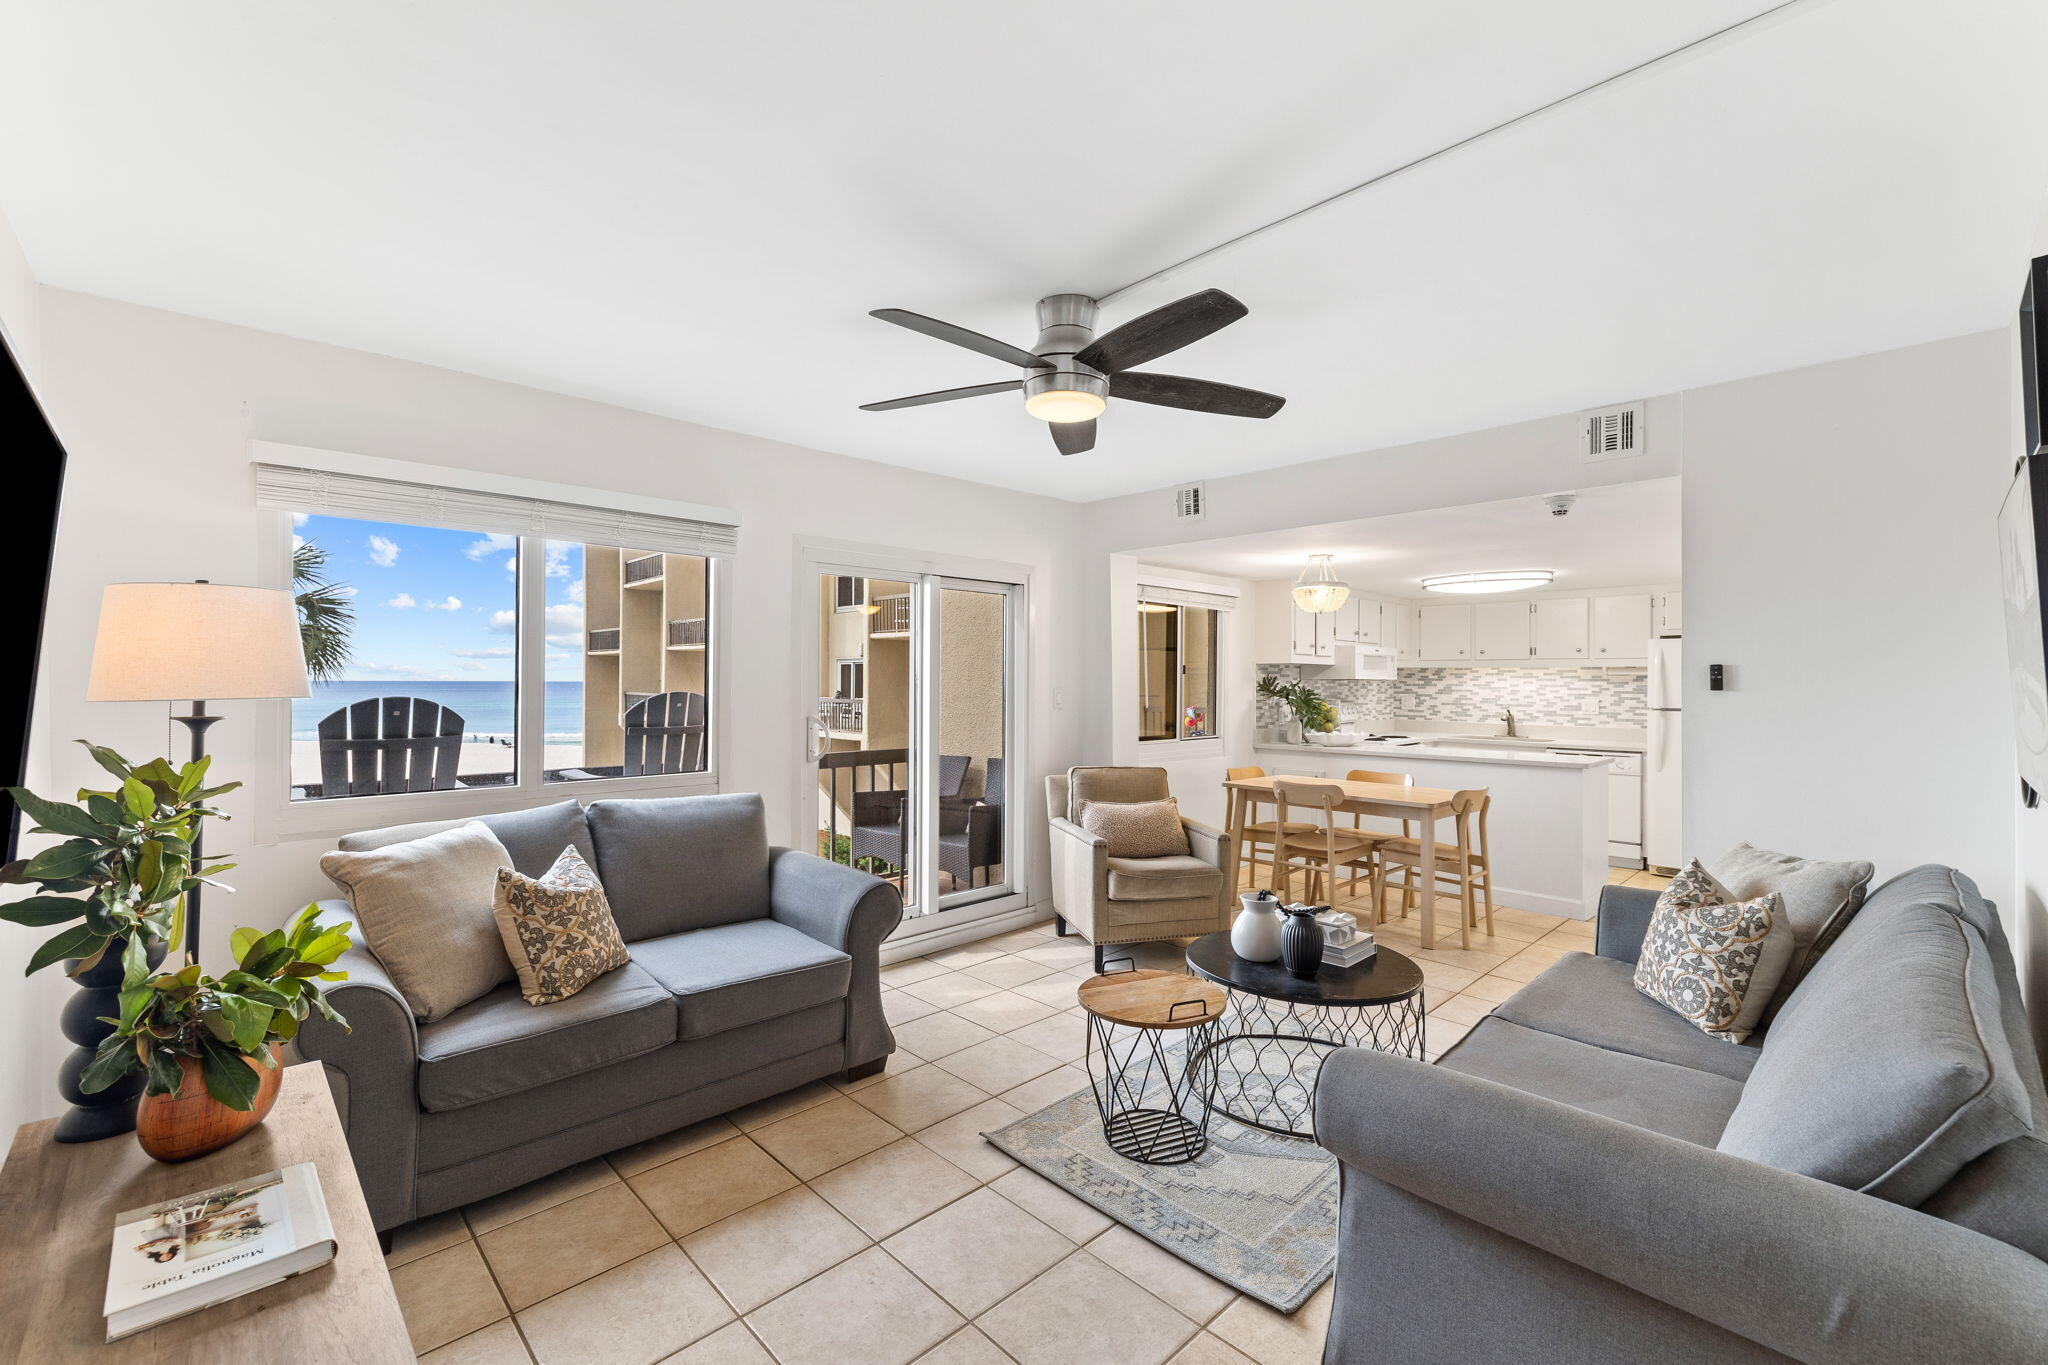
[{"x": 1131, "y": 900}]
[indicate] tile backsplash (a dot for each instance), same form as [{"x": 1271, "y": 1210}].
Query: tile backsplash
[{"x": 1538, "y": 696}]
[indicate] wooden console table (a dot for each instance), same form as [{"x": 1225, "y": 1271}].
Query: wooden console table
[{"x": 57, "y": 1204}]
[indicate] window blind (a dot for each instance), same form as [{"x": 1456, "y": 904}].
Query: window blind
[
  {"x": 370, "y": 498},
  {"x": 1185, "y": 597}
]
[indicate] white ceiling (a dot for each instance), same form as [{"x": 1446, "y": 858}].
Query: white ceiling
[
  {"x": 690, "y": 208},
  {"x": 1622, "y": 535}
]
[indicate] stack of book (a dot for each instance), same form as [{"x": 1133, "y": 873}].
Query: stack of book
[{"x": 1351, "y": 954}]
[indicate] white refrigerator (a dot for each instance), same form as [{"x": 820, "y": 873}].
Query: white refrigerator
[{"x": 1663, "y": 828}]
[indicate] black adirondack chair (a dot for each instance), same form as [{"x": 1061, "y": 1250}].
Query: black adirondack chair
[
  {"x": 390, "y": 744},
  {"x": 665, "y": 734}
]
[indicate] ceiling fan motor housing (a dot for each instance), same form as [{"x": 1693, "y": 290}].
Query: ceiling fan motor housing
[{"x": 1066, "y": 323}]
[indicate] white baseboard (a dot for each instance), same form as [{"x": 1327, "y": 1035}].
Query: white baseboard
[
  {"x": 1543, "y": 905},
  {"x": 940, "y": 938}
]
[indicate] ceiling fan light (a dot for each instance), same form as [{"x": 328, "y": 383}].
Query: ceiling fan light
[
  {"x": 1499, "y": 580},
  {"x": 1065, "y": 405},
  {"x": 1318, "y": 589}
]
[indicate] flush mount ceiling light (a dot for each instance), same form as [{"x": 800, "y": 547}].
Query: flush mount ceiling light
[
  {"x": 1318, "y": 589},
  {"x": 1501, "y": 580}
]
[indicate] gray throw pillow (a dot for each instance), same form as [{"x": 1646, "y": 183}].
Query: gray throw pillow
[
  {"x": 424, "y": 908},
  {"x": 1819, "y": 899}
]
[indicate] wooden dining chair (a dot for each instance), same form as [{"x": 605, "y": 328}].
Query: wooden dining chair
[
  {"x": 1256, "y": 831},
  {"x": 1463, "y": 861},
  {"x": 1326, "y": 848},
  {"x": 1379, "y": 911}
]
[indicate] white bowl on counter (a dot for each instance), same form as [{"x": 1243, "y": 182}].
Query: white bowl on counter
[{"x": 1332, "y": 739}]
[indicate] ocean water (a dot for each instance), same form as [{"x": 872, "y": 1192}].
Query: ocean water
[{"x": 486, "y": 708}]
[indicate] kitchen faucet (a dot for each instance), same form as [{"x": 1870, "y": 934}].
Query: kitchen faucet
[{"x": 1509, "y": 717}]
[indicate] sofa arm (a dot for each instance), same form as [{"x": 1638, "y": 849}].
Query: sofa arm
[
  {"x": 1624, "y": 917},
  {"x": 378, "y": 1058},
  {"x": 1805, "y": 1268},
  {"x": 1080, "y": 874},
  {"x": 850, "y": 911}
]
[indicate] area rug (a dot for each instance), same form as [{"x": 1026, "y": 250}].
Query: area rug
[{"x": 1256, "y": 1211}]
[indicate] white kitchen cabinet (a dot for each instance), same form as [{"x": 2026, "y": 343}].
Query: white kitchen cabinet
[
  {"x": 1563, "y": 629},
  {"x": 1668, "y": 619},
  {"x": 1395, "y": 618},
  {"x": 1444, "y": 634},
  {"x": 1500, "y": 631},
  {"x": 1621, "y": 628},
  {"x": 1366, "y": 622},
  {"x": 1314, "y": 636}
]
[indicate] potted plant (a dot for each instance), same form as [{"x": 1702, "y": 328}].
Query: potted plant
[
  {"x": 1310, "y": 711},
  {"x": 121, "y": 872},
  {"x": 207, "y": 1046}
]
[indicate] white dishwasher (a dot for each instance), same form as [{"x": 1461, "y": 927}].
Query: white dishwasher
[{"x": 1624, "y": 803}]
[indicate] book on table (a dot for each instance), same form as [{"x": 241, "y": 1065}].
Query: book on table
[
  {"x": 186, "y": 1254},
  {"x": 1349, "y": 954}
]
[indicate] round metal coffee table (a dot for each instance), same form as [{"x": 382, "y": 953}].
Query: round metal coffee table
[{"x": 1279, "y": 1028}]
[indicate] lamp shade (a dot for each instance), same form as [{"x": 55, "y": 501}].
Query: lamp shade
[{"x": 196, "y": 641}]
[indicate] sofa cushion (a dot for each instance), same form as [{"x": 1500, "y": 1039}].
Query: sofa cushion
[
  {"x": 424, "y": 908},
  {"x": 1178, "y": 878},
  {"x": 1594, "y": 1000},
  {"x": 683, "y": 862},
  {"x": 534, "y": 838},
  {"x": 500, "y": 1045},
  {"x": 1888, "y": 1069},
  {"x": 732, "y": 975},
  {"x": 1820, "y": 897},
  {"x": 1676, "y": 1101}
]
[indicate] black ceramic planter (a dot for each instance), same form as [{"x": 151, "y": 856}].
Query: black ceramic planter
[
  {"x": 1301, "y": 940},
  {"x": 110, "y": 1112}
]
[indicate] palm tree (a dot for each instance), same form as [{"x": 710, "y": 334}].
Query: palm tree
[{"x": 325, "y": 617}]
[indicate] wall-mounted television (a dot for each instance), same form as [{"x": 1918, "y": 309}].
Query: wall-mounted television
[
  {"x": 36, "y": 481},
  {"x": 2023, "y": 546}
]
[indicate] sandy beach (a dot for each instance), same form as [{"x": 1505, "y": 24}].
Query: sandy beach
[{"x": 480, "y": 754}]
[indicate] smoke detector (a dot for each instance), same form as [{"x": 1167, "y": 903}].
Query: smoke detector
[{"x": 1560, "y": 504}]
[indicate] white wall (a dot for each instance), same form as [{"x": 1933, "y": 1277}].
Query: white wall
[
  {"x": 1841, "y": 560},
  {"x": 158, "y": 410}
]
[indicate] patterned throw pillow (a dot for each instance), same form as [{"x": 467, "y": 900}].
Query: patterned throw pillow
[
  {"x": 558, "y": 929},
  {"x": 1712, "y": 959},
  {"x": 1137, "y": 829}
]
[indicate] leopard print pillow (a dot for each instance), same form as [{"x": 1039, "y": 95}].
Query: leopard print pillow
[
  {"x": 1713, "y": 960},
  {"x": 558, "y": 929}
]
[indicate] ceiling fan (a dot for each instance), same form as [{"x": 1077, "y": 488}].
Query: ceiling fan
[{"x": 1073, "y": 373}]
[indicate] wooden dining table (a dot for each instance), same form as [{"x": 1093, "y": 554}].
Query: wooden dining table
[{"x": 1425, "y": 805}]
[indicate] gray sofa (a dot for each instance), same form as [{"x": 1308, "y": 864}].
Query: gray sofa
[
  {"x": 1588, "y": 1178},
  {"x": 755, "y": 970}
]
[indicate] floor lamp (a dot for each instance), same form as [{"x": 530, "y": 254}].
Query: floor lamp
[{"x": 196, "y": 642}]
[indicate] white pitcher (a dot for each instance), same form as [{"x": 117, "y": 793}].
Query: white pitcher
[{"x": 1255, "y": 936}]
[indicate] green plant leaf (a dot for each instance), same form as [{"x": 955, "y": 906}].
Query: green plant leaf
[
  {"x": 135, "y": 963},
  {"x": 166, "y": 1076},
  {"x": 285, "y": 1025},
  {"x": 114, "y": 1059},
  {"x": 192, "y": 774},
  {"x": 134, "y": 1000},
  {"x": 37, "y": 911},
  {"x": 56, "y": 818},
  {"x": 302, "y": 925},
  {"x": 138, "y": 797},
  {"x": 77, "y": 941},
  {"x": 229, "y": 1077},
  {"x": 325, "y": 948},
  {"x": 63, "y": 862},
  {"x": 107, "y": 759},
  {"x": 105, "y": 809},
  {"x": 240, "y": 941}
]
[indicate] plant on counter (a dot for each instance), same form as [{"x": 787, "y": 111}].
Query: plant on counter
[
  {"x": 1310, "y": 709},
  {"x": 129, "y": 849},
  {"x": 224, "y": 1024}
]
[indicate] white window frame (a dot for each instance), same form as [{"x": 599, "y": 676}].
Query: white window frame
[
  {"x": 278, "y": 818},
  {"x": 1220, "y": 618},
  {"x": 861, "y": 586},
  {"x": 860, "y": 668}
]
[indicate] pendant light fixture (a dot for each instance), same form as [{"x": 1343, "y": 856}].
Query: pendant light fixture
[
  {"x": 1500, "y": 580},
  {"x": 1318, "y": 589}
]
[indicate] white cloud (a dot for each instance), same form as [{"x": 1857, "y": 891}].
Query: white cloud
[
  {"x": 345, "y": 590},
  {"x": 576, "y": 591},
  {"x": 473, "y": 667},
  {"x": 402, "y": 601},
  {"x": 297, "y": 541},
  {"x": 449, "y": 604},
  {"x": 490, "y": 545},
  {"x": 298, "y": 519},
  {"x": 512, "y": 564},
  {"x": 383, "y": 553},
  {"x": 505, "y": 622},
  {"x": 563, "y": 623},
  {"x": 557, "y": 560},
  {"x": 482, "y": 653}
]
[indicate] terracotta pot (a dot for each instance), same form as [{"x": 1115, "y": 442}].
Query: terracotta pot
[{"x": 192, "y": 1123}]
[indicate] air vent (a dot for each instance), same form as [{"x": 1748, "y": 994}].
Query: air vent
[
  {"x": 1612, "y": 433},
  {"x": 1187, "y": 502}
]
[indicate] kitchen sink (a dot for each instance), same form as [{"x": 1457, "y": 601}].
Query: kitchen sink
[{"x": 1487, "y": 742}]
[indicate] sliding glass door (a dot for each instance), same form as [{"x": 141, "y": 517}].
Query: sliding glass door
[{"x": 907, "y": 765}]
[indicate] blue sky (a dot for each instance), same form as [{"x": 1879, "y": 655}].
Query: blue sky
[{"x": 438, "y": 605}]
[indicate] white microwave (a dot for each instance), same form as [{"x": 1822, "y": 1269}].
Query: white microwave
[{"x": 1354, "y": 661}]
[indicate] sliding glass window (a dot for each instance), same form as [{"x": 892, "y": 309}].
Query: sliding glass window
[{"x": 1177, "y": 680}]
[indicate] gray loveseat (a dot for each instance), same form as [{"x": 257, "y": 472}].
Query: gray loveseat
[
  {"x": 1588, "y": 1178},
  {"x": 755, "y": 970}
]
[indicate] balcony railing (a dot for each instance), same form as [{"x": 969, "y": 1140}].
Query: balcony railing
[
  {"x": 892, "y": 616},
  {"x": 694, "y": 631},
  {"x": 645, "y": 569},
  {"x": 604, "y": 641},
  {"x": 843, "y": 715}
]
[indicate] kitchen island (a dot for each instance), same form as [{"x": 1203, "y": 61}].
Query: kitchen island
[{"x": 1548, "y": 824}]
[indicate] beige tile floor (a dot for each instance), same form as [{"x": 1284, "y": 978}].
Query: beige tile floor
[{"x": 869, "y": 1223}]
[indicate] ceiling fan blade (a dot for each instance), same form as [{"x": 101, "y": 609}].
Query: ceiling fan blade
[
  {"x": 1166, "y": 328},
  {"x": 918, "y": 400},
  {"x": 1197, "y": 395},
  {"x": 1073, "y": 437},
  {"x": 960, "y": 336}
]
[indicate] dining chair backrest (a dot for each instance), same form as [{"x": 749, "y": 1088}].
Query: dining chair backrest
[
  {"x": 1242, "y": 774},
  {"x": 1367, "y": 775},
  {"x": 1464, "y": 806},
  {"x": 1307, "y": 792}
]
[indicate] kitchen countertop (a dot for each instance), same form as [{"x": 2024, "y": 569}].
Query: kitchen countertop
[{"x": 1531, "y": 758}]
